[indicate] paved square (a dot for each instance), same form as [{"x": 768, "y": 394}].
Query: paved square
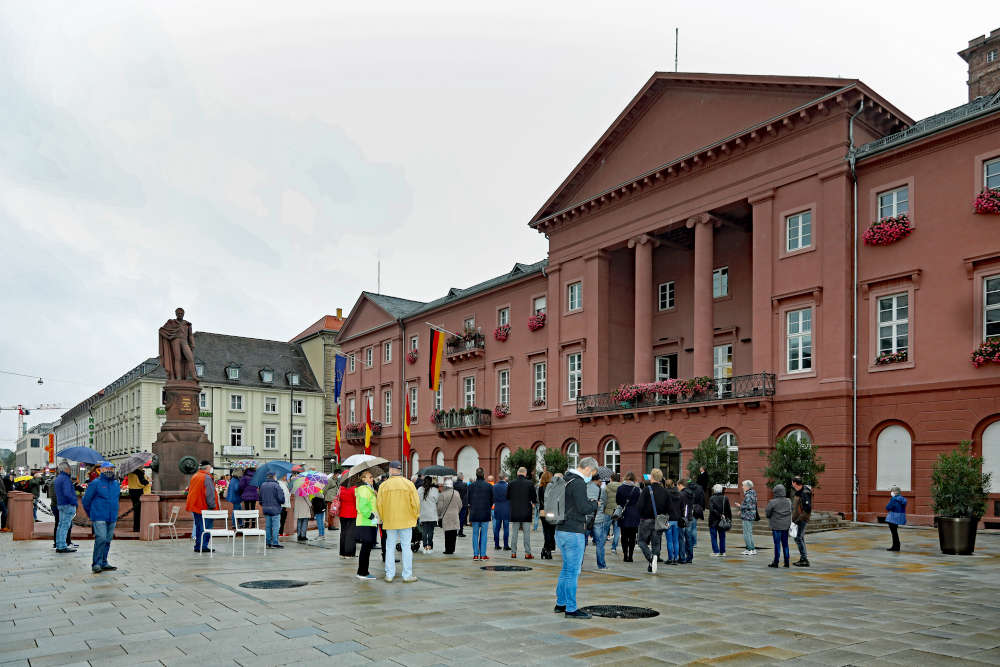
[{"x": 857, "y": 605}]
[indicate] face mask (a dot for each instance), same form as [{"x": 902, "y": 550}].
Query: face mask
[{"x": 110, "y": 474}]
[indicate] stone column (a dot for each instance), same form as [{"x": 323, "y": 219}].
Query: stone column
[
  {"x": 763, "y": 271},
  {"x": 642, "y": 369},
  {"x": 704, "y": 326},
  {"x": 149, "y": 512},
  {"x": 19, "y": 516}
]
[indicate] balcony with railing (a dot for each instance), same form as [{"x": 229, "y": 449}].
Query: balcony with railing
[
  {"x": 470, "y": 345},
  {"x": 463, "y": 422},
  {"x": 746, "y": 391},
  {"x": 355, "y": 432}
]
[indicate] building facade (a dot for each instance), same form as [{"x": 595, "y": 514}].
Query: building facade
[
  {"x": 713, "y": 241},
  {"x": 319, "y": 344},
  {"x": 31, "y": 451}
]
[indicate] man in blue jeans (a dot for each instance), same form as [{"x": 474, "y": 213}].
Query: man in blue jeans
[
  {"x": 480, "y": 499},
  {"x": 399, "y": 506},
  {"x": 100, "y": 502},
  {"x": 686, "y": 535},
  {"x": 65, "y": 502},
  {"x": 570, "y": 536}
]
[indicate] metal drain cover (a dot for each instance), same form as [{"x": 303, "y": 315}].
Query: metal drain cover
[
  {"x": 273, "y": 583},
  {"x": 620, "y": 611},
  {"x": 505, "y": 568}
]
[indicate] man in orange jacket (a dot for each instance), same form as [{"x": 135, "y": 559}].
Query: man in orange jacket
[{"x": 201, "y": 496}]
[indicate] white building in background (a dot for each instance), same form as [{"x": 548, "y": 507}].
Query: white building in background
[{"x": 30, "y": 451}]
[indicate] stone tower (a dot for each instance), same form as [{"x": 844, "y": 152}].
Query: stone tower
[{"x": 983, "y": 56}]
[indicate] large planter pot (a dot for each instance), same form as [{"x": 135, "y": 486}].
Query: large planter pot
[{"x": 957, "y": 535}]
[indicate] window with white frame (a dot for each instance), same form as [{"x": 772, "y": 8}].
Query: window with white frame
[
  {"x": 573, "y": 454},
  {"x": 893, "y": 323},
  {"x": 370, "y": 404},
  {"x": 233, "y": 372},
  {"x": 666, "y": 295},
  {"x": 298, "y": 438},
  {"x": 991, "y": 56},
  {"x": 414, "y": 393},
  {"x": 469, "y": 324},
  {"x": 270, "y": 437},
  {"x": 893, "y": 456},
  {"x": 414, "y": 342},
  {"x": 798, "y": 231},
  {"x": 350, "y": 362},
  {"x": 236, "y": 435},
  {"x": 574, "y": 296},
  {"x": 540, "y": 378},
  {"x": 798, "y": 435},
  {"x": 266, "y": 375},
  {"x": 199, "y": 369},
  {"x": 352, "y": 415},
  {"x": 236, "y": 402},
  {"x": 387, "y": 406},
  {"x": 663, "y": 370},
  {"x": 469, "y": 386},
  {"x": 202, "y": 400},
  {"x": 893, "y": 202},
  {"x": 720, "y": 282},
  {"x": 798, "y": 340},
  {"x": 991, "y": 306},
  {"x": 574, "y": 364},
  {"x": 991, "y": 174},
  {"x": 991, "y": 450},
  {"x": 298, "y": 406},
  {"x": 437, "y": 395},
  {"x": 503, "y": 386},
  {"x": 271, "y": 405},
  {"x": 538, "y": 305},
  {"x": 722, "y": 368},
  {"x": 387, "y": 351},
  {"x": 728, "y": 440},
  {"x": 612, "y": 455},
  {"x": 503, "y": 316},
  {"x": 369, "y": 354}
]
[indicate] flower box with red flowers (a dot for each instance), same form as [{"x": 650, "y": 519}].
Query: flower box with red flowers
[
  {"x": 988, "y": 202},
  {"x": 411, "y": 356},
  {"x": 988, "y": 352},
  {"x": 888, "y": 230},
  {"x": 502, "y": 332},
  {"x": 538, "y": 403},
  {"x": 501, "y": 411},
  {"x": 536, "y": 321},
  {"x": 886, "y": 358}
]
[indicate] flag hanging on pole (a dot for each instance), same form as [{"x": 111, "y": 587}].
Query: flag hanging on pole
[
  {"x": 406, "y": 433},
  {"x": 339, "y": 366},
  {"x": 437, "y": 351},
  {"x": 336, "y": 441},
  {"x": 368, "y": 427}
]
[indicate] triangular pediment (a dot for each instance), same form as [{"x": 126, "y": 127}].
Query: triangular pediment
[{"x": 372, "y": 311}]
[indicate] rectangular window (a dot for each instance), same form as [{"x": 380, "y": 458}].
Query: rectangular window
[
  {"x": 469, "y": 324},
  {"x": 236, "y": 435},
  {"x": 387, "y": 407},
  {"x": 414, "y": 342},
  {"x": 387, "y": 351},
  {"x": 991, "y": 306},
  {"x": 538, "y": 305},
  {"x": 202, "y": 400},
  {"x": 991, "y": 56},
  {"x": 369, "y": 354},
  {"x": 503, "y": 316},
  {"x": 350, "y": 361},
  {"x": 722, "y": 368},
  {"x": 352, "y": 415},
  {"x": 663, "y": 368},
  {"x": 469, "y": 385},
  {"x": 271, "y": 405},
  {"x": 798, "y": 334},
  {"x": 270, "y": 437},
  {"x": 991, "y": 174},
  {"x": 437, "y": 396},
  {"x": 298, "y": 438},
  {"x": 298, "y": 406},
  {"x": 236, "y": 402},
  {"x": 893, "y": 323},
  {"x": 574, "y": 296},
  {"x": 574, "y": 363},
  {"x": 666, "y": 293},
  {"x": 720, "y": 282},
  {"x": 503, "y": 387},
  {"x": 893, "y": 202},
  {"x": 233, "y": 373},
  {"x": 798, "y": 231},
  {"x": 540, "y": 375},
  {"x": 414, "y": 392}
]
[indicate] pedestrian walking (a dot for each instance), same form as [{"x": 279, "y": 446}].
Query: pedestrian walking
[
  {"x": 801, "y": 513},
  {"x": 685, "y": 542},
  {"x": 272, "y": 497},
  {"x": 749, "y": 514},
  {"x": 462, "y": 488},
  {"x": 609, "y": 508},
  {"x": 720, "y": 518},
  {"x": 449, "y": 504},
  {"x": 779, "y": 518},
  {"x": 597, "y": 491},
  {"x": 366, "y": 522},
  {"x": 570, "y": 535},
  {"x": 137, "y": 483},
  {"x": 521, "y": 495},
  {"x": 896, "y": 516},
  {"x": 627, "y": 497},
  {"x": 201, "y": 496},
  {"x": 480, "y": 502},
  {"x": 652, "y": 518},
  {"x": 100, "y": 502},
  {"x": 64, "y": 507},
  {"x": 428, "y": 495},
  {"x": 399, "y": 508},
  {"x": 501, "y": 513},
  {"x": 348, "y": 517}
]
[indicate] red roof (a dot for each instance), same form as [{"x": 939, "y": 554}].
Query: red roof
[{"x": 325, "y": 323}]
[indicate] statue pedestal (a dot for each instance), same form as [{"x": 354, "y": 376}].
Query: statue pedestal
[{"x": 181, "y": 443}]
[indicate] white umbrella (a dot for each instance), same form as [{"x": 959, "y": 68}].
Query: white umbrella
[{"x": 355, "y": 459}]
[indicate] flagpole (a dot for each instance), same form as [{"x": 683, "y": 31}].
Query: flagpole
[{"x": 432, "y": 326}]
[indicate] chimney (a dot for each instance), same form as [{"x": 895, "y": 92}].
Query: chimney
[
  {"x": 983, "y": 56},
  {"x": 340, "y": 312}
]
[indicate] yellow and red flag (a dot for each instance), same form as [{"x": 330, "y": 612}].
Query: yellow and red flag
[
  {"x": 336, "y": 441},
  {"x": 368, "y": 427},
  {"x": 437, "y": 351},
  {"x": 406, "y": 433}
]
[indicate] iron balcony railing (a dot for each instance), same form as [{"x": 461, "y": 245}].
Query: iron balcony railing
[
  {"x": 758, "y": 385},
  {"x": 453, "y": 419},
  {"x": 460, "y": 345}
]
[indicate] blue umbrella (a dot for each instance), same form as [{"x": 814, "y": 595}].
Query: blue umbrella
[
  {"x": 81, "y": 454},
  {"x": 279, "y": 468}
]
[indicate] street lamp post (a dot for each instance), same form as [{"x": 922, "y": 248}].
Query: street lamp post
[{"x": 293, "y": 381}]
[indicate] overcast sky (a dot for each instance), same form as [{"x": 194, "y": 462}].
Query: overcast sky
[{"x": 249, "y": 161}]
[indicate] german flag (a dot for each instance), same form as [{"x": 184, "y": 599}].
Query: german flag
[
  {"x": 434, "y": 359},
  {"x": 336, "y": 441},
  {"x": 406, "y": 432},
  {"x": 368, "y": 427}
]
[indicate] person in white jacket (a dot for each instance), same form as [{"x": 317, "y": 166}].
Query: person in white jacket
[{"x": 287, "y": 505}]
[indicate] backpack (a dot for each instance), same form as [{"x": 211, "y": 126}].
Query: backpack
[{"x": 555, "y": 501}]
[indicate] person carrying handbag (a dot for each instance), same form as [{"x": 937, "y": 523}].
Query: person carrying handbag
[
  {"x": 749, "y": 514},
  {"x": 720, "y": 520},
  {"x": 651, "y": 522},
  {"x": 627, "y": 498}
]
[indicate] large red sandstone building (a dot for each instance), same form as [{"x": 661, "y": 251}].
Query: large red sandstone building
[{"x": 716, "y": 229}]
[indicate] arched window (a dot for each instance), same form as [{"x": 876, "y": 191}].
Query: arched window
[
  {"x": 440, "y": 458},
  {"x": 504, "y": 455},
  {"x": 894, "y": 451},
  {"x": 991, "y": 451},
  {"x": 539, "y": 457},
  {"x": 573, "y": 453},
  {"x": 467, "y": 461},
  {"x": 800, "y": 436},
  {"x": 612, "y": 455},
  {"x": 414, "y": 463},
  {"x": 728, "y": 439}
]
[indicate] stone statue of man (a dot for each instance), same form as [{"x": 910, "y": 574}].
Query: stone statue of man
[{"x": 177, "y": 348}]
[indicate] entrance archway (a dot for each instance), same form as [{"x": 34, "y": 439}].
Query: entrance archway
[
  {"x": 663, "y": 451},
  {"x": 467, "y": 462}
]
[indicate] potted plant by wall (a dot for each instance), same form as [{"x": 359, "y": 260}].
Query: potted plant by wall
[{"x": 959, "y": 488}]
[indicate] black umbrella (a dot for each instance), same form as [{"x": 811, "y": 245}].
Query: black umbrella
[
  {"x": 436, "y": 471},
  {"x": 134, "y": 462}
]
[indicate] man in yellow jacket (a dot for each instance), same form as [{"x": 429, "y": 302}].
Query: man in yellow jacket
[{"x": 399, "y": 507}]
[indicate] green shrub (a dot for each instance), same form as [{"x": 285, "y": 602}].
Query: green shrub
[
  {"x": 521, "y": 458},
  {"x": 959, "y": 487},
  {"x": 556, "y": 461},
  {"x": 791, "y": 458},
  {"x": 714, "y": 457}
]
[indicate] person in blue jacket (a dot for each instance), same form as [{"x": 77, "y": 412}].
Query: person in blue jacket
[
  {"x": 896, "y": 517},
  {"x": 501, "y": 513},
  {"x": 100, "y": 502},
  {"x": 65, "y": 502},
  {"x": 233, "y": 493}
]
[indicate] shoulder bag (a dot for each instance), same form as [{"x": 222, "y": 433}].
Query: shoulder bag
[
  {"x": 619, "y": 510},
  {"x": 662, "y": 520},
  {"x": 725, "y": 523}
]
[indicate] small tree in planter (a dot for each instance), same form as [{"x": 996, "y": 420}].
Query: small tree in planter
[
  {"x": 791, "y": 458},
  {"x": 959, "y": 489},
  {"x": 522, "y": 457},
  {"x": 556, "y": 461},
  {"x": 714, "y": 457}
]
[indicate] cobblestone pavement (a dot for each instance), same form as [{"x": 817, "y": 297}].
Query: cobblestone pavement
[{"x": 857, "y": 605}]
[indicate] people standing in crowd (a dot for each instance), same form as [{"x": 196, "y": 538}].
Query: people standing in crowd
[
  {"x": 319, "y": 514},
  {"x": 501, "y": 513},
  {"x": 480, "y": 502},
  {"x": 272, "y": 497},
  {"x": 801, "y": 512},
  {"x": 201, "y": 496},
  {"x": 331, "y": 492},
  {"x": 233, "y": 493},
  {"x": 569, "y": 536},
  {"x": 685, "y": 552},
  {"x": 428, "y": 494},
  {"x": 652, "y": 502},
  {"x": 366, "y": 522},
  {"x": 705, "y": 483},
  {"x": 449, "y": 504},
  {"x": 697, "y": 510},
  {"x": 548, "y": 529},
  {"x": 462, "y": 488},
  {"x": 303, "y": 512},
  {"x": 779, "y": 518},
  {"x": 627, "y": 496},
  {"x": 611, "y": 491},
  {"x": 597, "y": 491},
  {"x": 64, "y": 507},
  {"x": 100, "y": 502},
  {"x": 286, "y": 504},
  {"x": 4, "y": 478},
  {"x": 137, "y": 482},
  {"x": 249, "y": 493},
  {"x": 399, "y": 508},
  {"x": 35, "y": 489},
  {"x": 748, "y": 514},
  {"x": 50, "y": 493},
  {"x": 896, "y": 516},
  {"x": 521, "y": 496},
  {"x": 718, "y": 507},
  {"x": 674, "y": 512},
  {"x": 348, "y": 519}
]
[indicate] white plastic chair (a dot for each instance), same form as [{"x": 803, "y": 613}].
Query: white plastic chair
[
  {"x": 225, "y": 532},
  {"x": 171, "y": 525},
  {"x": 252, "y": 529}
]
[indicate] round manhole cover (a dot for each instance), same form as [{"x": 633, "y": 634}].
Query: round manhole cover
[
  {"x": 620, "y": 611},
  {"x": 505, "y": 568},
  {"x": 273, "y": 583}
]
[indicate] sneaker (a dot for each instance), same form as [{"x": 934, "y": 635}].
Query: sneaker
[
  {"x": 278, "y": 546},
  {"x": 388, "y": 579},
  {"x": 652, "y": 565},
  {"x": 513, "y": 555},
  {"x": 108, "y": 568},
  {"x": 714, "y": 555},
  {"x": 559, "y": 609},
  {"x": 484, "y": 558},
  {"x": 602, "y": 568},
  {"x": 802, "y": 563},
  {"x": 528, "y": 557},
  {"x": 409, "y": 580},
  {"x": 772, "y": 564},
  {"x": 66, "y": 551},
  {"x": 579, "y": 613},
  {"x": 95, "y": 570},
  {"x": 365, "y": 577},
  {"x": 649, "y": 569},
  {"x": 753, "y": 552},
  {"x": 506, "y": 548},
  {"x": 746, "y": 552}
]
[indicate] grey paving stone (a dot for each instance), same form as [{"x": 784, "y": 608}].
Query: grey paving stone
[
  {"x": 300, "y": 632},
  {"x": 181, "y": 630},
  {"x": 337, "y": 648}
]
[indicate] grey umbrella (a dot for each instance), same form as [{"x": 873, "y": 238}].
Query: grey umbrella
[
  {"x": 436, "y": 471},
  {"x": 377, "y": 465},
  {"x": 133, "y": 463}
]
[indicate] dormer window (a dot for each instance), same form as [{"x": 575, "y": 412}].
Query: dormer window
[
  {"x": 292, "y": 379},
  {"x": 266, "y": 375},
  {"x": 199, "y": 368},
  {"x": 233, "y": 372}
]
